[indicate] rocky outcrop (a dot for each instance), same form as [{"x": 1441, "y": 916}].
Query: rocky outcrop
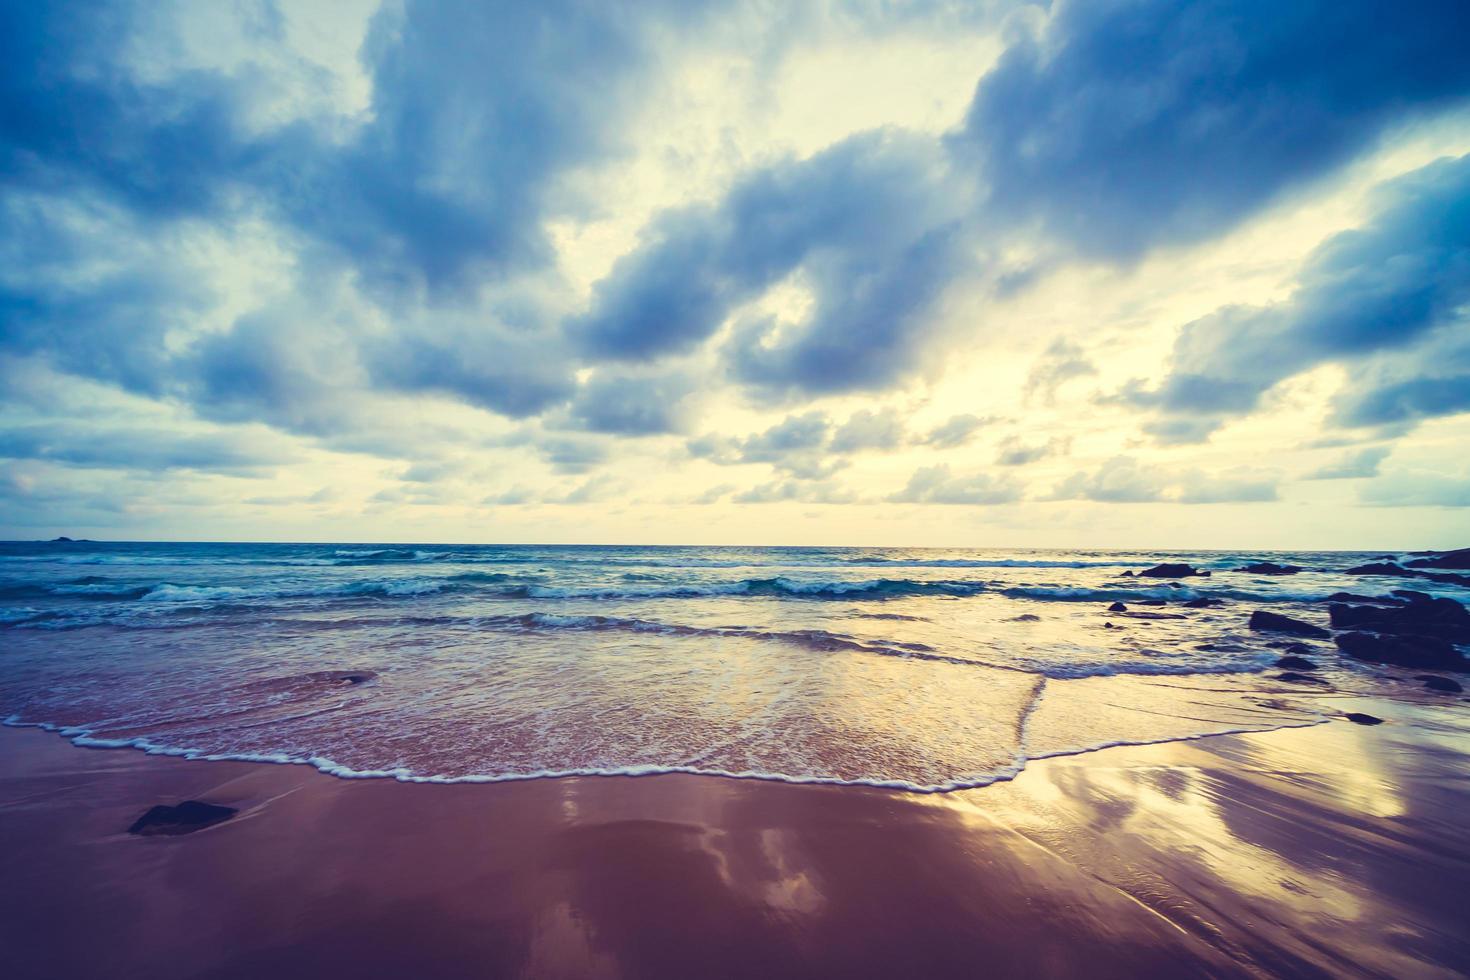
[
  {"x": 1275, "y": 623},
  {"x": 1296, "y": 663},
  {"x": 1427, "y": 652},
  {"x": 1390, "y": 568},
  {"x": 1437, "y": 683},
  {"x": 187, "y": 817},
  {"x": 1203, "y": 602},
  {"x": 1417, "y": 615},
  {"x": 1117, "y": 607},
  {"x": 1459, "y": 559},
  {"x": 1173, "y": 570},
  {"x": 1354, "y": 597},
  {"x": 1269, "y": 568}
]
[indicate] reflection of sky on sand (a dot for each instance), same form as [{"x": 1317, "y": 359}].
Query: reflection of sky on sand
[{"x": 1313, "y": 845}]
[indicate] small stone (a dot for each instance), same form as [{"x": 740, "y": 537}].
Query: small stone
[
  {"x": 1117, "y": 607},
  {"x": 1358, "y": 718},
  {"x": 1296, "y": 663},
  {"x": 187, "y": 817}
]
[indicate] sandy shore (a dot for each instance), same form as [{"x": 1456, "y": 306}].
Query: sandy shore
[{"x": 1338, "y": 849}]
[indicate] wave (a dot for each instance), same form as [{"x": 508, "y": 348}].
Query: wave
[
  {"x": 86, "y": 738},
  {"x": 779, "y": 587}
]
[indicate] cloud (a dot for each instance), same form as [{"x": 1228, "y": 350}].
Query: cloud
[
  {"x": 1062, "y": 361},
  {"x": 812, "y": 492},
  {"x": 148, "y": 449},
  {"x": 1416, "y": 488},
  {"x": 1183, "y": 430},
  {"x": 957, "y": 431},
  {"x": 1354, "y": 465},
  {"x": 1121, "y": 480},
  {"x": 797, "y": 445},
  {"x": 1014, "y": 452},
  {"x": 882, "y": 430},
  {"x": 1239, "y": 485},
  {"x": 1378, "y": 289},
  {"x": 869, "y": 224},
  {"x": 1124, "y": 480},
  {"x": 635, "y": 405},
  {"x": 1128, "y": 124},
  {"x": 936, "y": 485}
]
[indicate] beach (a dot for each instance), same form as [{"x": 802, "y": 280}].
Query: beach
[{"x": 1335, "y": 849}]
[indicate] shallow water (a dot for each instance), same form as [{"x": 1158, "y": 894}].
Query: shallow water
[{"x": 917, "y": 668}]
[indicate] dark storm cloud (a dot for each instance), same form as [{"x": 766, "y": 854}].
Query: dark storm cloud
[
  {"x": 1379, "y": 289},
  {"x": 1127, "y": 124}
]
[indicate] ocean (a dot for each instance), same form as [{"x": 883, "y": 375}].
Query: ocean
[{"x": 919, "y": 669}]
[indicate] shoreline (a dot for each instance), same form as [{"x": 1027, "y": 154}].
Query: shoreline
[
  {"x": 84, "y": 739},
  {"x": 1333, "y": 848}
]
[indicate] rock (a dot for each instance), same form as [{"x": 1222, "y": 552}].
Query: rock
[
  {"x": 1126, "y": 575},
  {"x": 1390, "y": 568},
  {"x": 1153, "y": 602},
  {"x": 1172, "y": 570},
  {"x": 1421, "y": 615},
  {"x": 1152, "y": 615},
  {"x": 1459, "y": 558},
  {"x": 1358, "y": 718},
  {"x": 1435, "y": 683},
  {"x": 1025, "y": 618},
  {"x": 1117, "y": 607},
  {"x": 1262, "y": 620},
  {"x": 1354, "y": 597},
  {"x": 1110, "y": 626},
  {"x": 1379, "y": 568},
  {"x": 1269, "y": 568},
  {"x": 1403, "y": 651},
  {"x": 1299, "y": 678},
  {"x": 62, "y": 540},
  {"x": 187, "y": 817},
  {"x": 1296, "y": 663},
  {"x": 1203, "y": 602}
]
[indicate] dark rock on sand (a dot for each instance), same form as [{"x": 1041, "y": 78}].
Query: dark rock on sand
[
  {"x": 1358, "y": 718},
  {"x": 187, "y": 817},
  {"x": 1403, "y": 651},
  {"x": 1269, "y": 568},
  {"x": 1296, "y": 663},
  {"x": 1420, "y": 615},
  {"x": 1111, "y": 626},
  {"x": 1203, "y": 602},
  {"x": 1126, "y": 575},
  {"x": 1117, "y": 607},
  {"x": 1299, "y": 678},
  {"x": 1153, "y": 602},
  {"x": 1152, "y": 615},
  {"x": 1262, "y": 620},
  {"x": 1025, "y": 618},
  {"x": 1459, "y": 558},
  {"x": 1436, "y": 683},
  {"x": 1172, "y": 570}
]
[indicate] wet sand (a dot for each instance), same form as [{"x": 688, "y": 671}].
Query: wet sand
[{"x": 1332, "y": 850}]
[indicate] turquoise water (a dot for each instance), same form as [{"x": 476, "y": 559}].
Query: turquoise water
[{"x": 917, "y": 668}]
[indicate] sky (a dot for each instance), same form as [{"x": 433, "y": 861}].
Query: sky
[{"x": 1114, "y": 273}]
